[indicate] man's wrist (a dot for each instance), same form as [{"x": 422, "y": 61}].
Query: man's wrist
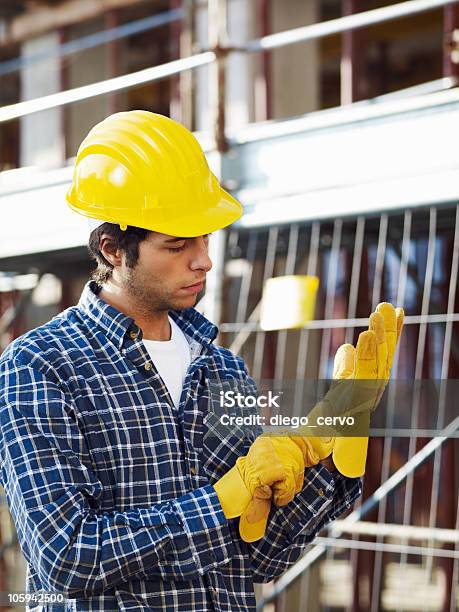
[{"x": 329, "y": 464}]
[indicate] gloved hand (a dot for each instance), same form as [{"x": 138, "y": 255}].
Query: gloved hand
[
  {"x": 252, "y": 526},
  {"x": 294, "y": 455},
  {"x": 272, "y": 465},
  {"x": 370, "y": 363}
]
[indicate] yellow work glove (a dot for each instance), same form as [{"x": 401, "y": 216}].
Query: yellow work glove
[
  {"x": 373, "y": 361},
  {"x": 314, "y": 449},
  {"x": 370, "y": 362},
  {"x": 294, "y": 456},
  {"x": 249, "y": 485}
]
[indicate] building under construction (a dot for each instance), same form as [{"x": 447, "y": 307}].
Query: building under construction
[{"x": 332, "y": 122}]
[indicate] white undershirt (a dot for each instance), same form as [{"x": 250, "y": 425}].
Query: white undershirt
[{"x": 171, "y": 358}]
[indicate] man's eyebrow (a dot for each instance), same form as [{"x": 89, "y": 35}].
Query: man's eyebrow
[{"x": 174, "y": 240}]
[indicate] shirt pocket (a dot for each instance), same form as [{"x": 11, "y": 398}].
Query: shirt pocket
[{"x": 135, "y": 447}]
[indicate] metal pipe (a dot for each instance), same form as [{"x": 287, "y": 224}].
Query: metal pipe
[
  {"x": 450, "y": 46},
  {"x": 355, "y": 274},
  {"x": 394, "y": 548},
  {"x": 282, "y": 334},
  {"x": 330, "y": 295},
  {"x": 402, "y": 531},
  {"x": 340, "y": 116},
  {"x": 218, "y": 42},
  {"x": 13, "y": 111},
  {"x": 303, "y": 346},
  {"x": 360, "y": 111},
  {"x": 259, "y": 354},
  {"x": 419, "y": 367},
  {"x": 344, "y": 24},
  {"x": 186, "y": 42},
  {"x": 398, "y": 432},
  {"x": 402, "y": 252},
  {"x": 351, "y": 57},
  {"x": 253, "y": 326},
  {"x": 94, "y": 40}
]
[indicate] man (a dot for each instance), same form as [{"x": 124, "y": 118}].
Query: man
[{"x": 120, "y": 498}]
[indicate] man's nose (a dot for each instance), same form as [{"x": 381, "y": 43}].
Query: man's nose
[{"x": 200, "y": 258}]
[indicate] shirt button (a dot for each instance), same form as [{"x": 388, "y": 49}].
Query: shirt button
[
  {"x": 193, "y": 470},
  {"x": 321, "y": 492},
  {"x": 133, "y": 335},
  {"x": 148, "y": 366}
]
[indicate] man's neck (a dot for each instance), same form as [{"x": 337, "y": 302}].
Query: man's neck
[{"x": 154, "y": 325}]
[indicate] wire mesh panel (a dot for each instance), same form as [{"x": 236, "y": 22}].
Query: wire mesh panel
[{"x": 409, "y": 259}]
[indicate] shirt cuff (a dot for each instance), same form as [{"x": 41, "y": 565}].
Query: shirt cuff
[
  {"x": 347, "y": 490},
  {"x": 206, "y": 528},
  {"x": 302, "y": 514}
]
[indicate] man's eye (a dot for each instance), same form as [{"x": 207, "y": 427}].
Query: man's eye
[{"x": 176, "y": 249}]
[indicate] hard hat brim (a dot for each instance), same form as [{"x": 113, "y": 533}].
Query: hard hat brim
[{"x": 188, "y": 224}]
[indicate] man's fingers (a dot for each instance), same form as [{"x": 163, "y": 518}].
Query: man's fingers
[
  {"x": 262, "y": 492},
  {"x": 378, "y": 327},
  {"x": 250, "y": 529},
  {"x": 299, "y": 479},
  {"x": 343, "y": 366},
  {"x": 400, "y": 316},
  {"x": 257, "y": 510},
  {"x": 284, "y": 492},
  {"x": 366, "y": 366},
  {"x": 350, "y": 455},
  {"x": 310, "y": 455},
  {"x": 390, "y": 325}
]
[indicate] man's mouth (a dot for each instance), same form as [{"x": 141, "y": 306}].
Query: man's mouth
[{"x": 195, "y": 288}]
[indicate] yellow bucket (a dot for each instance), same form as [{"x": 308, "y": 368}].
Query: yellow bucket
[{"x": 288, "y": 302}]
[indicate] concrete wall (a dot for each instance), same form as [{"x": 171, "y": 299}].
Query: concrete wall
[
  {"x": 295, "y": 68},
  {"x": 41, "y": 133},
  {"x": 81, "y": 69}
]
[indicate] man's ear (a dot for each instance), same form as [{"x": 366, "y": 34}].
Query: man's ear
[{"x": 110, "y": 252}]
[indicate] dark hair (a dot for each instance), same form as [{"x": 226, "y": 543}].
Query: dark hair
[{"x": 128, "y": 241}]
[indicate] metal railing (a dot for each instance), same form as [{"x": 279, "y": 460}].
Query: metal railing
[
  {"x": 310, "y": 32},
  {"x": 376, "y": 263},
  {"x": 94, "y": 40}
]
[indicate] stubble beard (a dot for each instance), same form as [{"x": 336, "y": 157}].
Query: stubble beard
[{"x": 147, "y": 299}]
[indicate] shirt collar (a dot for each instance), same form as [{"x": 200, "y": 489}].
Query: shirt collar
[{"x": 116, "y": 324}]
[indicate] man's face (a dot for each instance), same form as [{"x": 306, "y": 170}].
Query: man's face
[{"x": 169, "y": 273}]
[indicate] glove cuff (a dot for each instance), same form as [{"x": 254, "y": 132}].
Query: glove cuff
[{"x": 233, "y": 494}]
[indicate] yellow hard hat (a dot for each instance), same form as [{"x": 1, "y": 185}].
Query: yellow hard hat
[{"x": 143, "y": 169}]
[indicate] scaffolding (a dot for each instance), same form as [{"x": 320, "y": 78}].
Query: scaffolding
[{"x": 407, "y": 257}]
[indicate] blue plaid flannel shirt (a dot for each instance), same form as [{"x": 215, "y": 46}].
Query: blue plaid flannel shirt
[{"x": 110, "y": 486}]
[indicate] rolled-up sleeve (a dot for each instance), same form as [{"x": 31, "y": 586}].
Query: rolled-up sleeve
[
  {"x": 54, "y": 496},
  {"x": 324, "y": 497}
]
